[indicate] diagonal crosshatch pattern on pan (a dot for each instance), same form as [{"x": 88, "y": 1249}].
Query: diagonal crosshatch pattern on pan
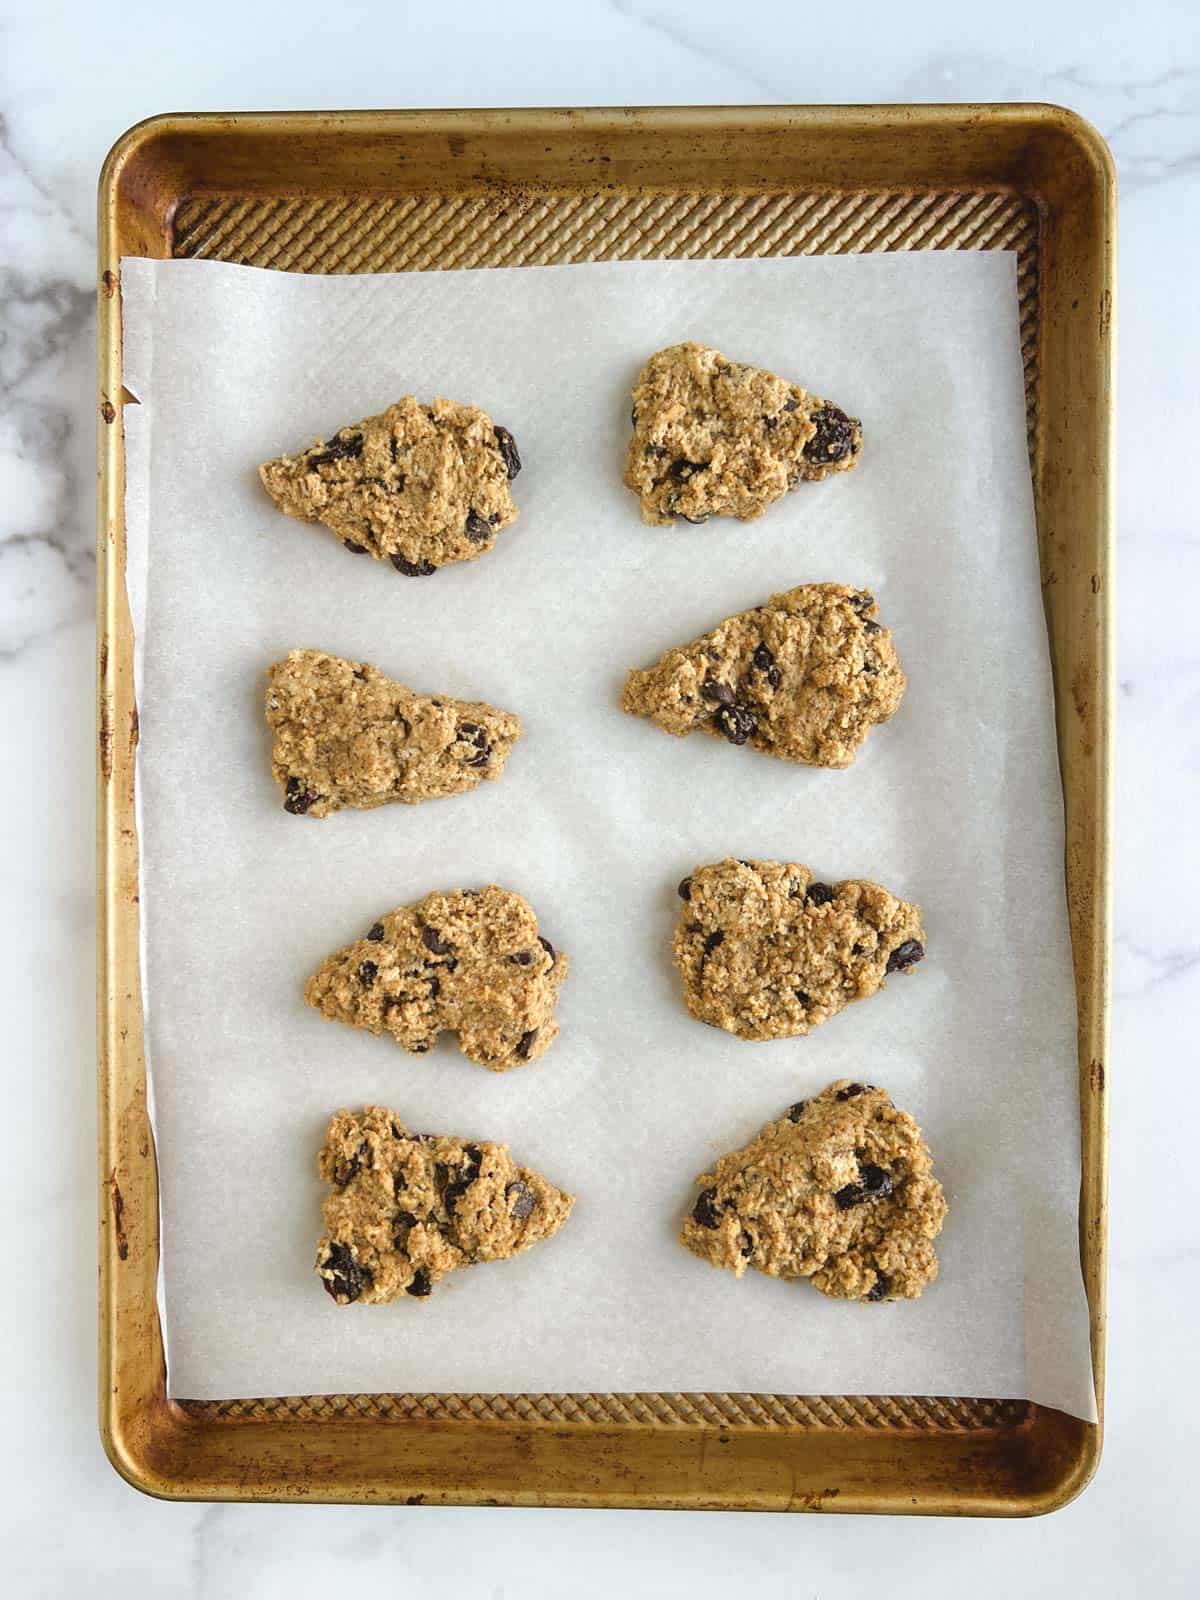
[{"x": 509, "y": 227}]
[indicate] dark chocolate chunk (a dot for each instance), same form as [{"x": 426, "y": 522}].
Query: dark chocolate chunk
[
  {"x": 819, "y": 894},
  {"x": 746, "y": 1246},
  {"x": 719, "y": 693},
  {"x": 413, "y": 569},
  {"x": 762, "y": 658},
  {"x": 795, "y": 1112},
  {"x": 420, "y": 1285},
  {"x": 435, "y": 986},
  {"x": 477, "y": 528},
  {"x": 345, "y": 1170},
  {"x": 520, "y": 1200},
  {"x": 367, "y": 973},
  {"x": 862, "y": 602},
  {"x": 682, "y": 470},
  {"x": 402, "y": 1224},
  {"x": 354, "y": 549},
  {"x": 875, "y": 1180},
  {"x": 851, "y": 1091},
  {"x": 736, "y": 722},
  {"x": 685, "y": 889},
  {"x": 546, "y": 946},
  {"x": 376, "y": 932},
  {"x": 833, "y": 439},
  {"x": 338, "y": 449},
  {"x": 879, "y": 1289},
  {"x": 774, "y": 677},
  {"x": 525, "y": 1044},
  {"x": 434, "y": 943},
  {"x": 508, "y": 451},
  {"x": 298, "y": 798},
  {"x": 713, "y": 940},
  {"x": 480, "y": 758},
  {"x": 347, "y": 1279},
  {"x": 905, "y": 955},
  {"x": 802, "y": 996},
  {"x": 871, "y": 625},
  {"x": 704, "y": 1212},
  {"x": 523, "y": 958},
  {"x": 454, "y": 1192}
]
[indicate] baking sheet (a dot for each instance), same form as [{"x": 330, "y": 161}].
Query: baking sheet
[{"x": 956, "y": 803}]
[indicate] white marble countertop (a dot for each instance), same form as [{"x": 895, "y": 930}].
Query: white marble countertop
[{"x": 72, "y": 76}]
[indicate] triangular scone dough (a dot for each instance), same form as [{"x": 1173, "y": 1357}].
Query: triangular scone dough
[
  {"x": 840, "y": 1191},
  {"x": 715, "y": 438},
  {"x": 419, "y": 486},
  {"x": 766, "y": 953},
  {"x": 804, "y": 677},
  {"x": 348, "y": 735},
  {"x": 407, "y": 1208},
  {"x": 470, "y": 960}
]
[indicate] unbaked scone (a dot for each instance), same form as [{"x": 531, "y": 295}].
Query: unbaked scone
[
  {"x": 407, "y": 1208},
  {"x": 419, "y": 486},
  {"x": 767, "y": 953},
  {"x": 840, "y": 1191},
  {"x": 715, "y": 438},
  {"x": 804, "y": 677},
  {"x": 469, "y": 960},
  {"x": 348, "y": 735}
]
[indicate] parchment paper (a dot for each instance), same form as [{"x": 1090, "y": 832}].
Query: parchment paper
[{"x": 956, "y": 804}]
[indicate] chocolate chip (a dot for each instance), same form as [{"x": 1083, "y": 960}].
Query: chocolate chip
[
  {"x": 803, "y": 998},
  {"x": 858, "y": 949},
  {"x": 508, "y": 451},
  {"x": 862, "y": 602},
  {"x": 736, "y": 722},
  {"x": 655, "y": 450},
  {"x": 819, "y": 894},
  {"x": 455, "y": 1191},
  {"x": 354, "y": 549},
  {"x": 337, "y": 449},
  {"x": 525, "y": 1044},
  {"x": 480, "y": 758},
  {"x": 520, "y": 1200},
  {"x": 685, "y": 889},
  {"x": 523, "y": 958},
  {"x": 298, "y": 798},
  {"x": 435, "y": 986},
  {"x": 762, "y": 658},
  {"x": 434, "y": 943},
  {"x": 367, "y": 973},
  {"x": 770, "y": 423},
  {"x": 376, "y": 932},
  {"x": 713, "y": 940},
  {"x": 833, "y": 439},
  {"x": 851, "y": 1091},
  {"x": 795, "y": 1112},
  {"x": 905, "y": 955},
  {"x": 871, "y": 625},
  {"x": 720, "y": 693},
  {"x": 879, "y": 1289},
  {"x": 546, "y": 946},
  {"x": 345, "y": 1170},
  {"x": 774, "y": 677},
  {"x": 477, "y": 528},
  {"x": 347, "y": 1279},
  {"x": 420, "y": 1285},
  {"x": 474, "y": 1156},
  {"x": 420, "y": 1047},
  {"x": 876, "y": 1181},
  {"x": 746, "y": 1246},
  {"x": 413, "y": 569},
  {"x": 789, "y": 405},
  {"x": 696, "y": 522},
  {"x": 402, "y": 1224},
  {"x": 682, "y": 470},
  {"x": 870, "y": 666},
  {"x": 704, "y": 1212}
]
